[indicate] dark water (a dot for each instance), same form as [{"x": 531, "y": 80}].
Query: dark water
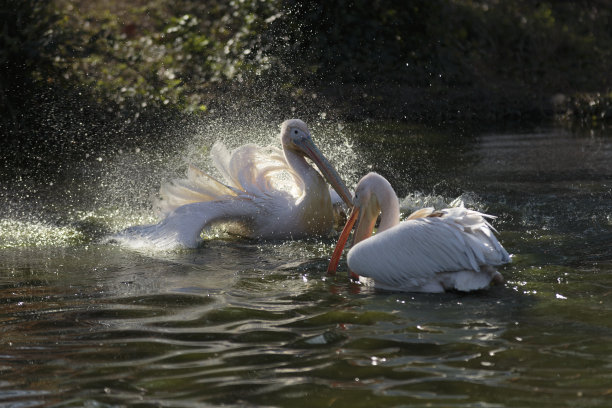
[{"x": 244, "y": 323}]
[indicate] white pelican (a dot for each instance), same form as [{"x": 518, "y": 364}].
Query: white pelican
[
  {"x": 255, "y": 201},
  {"x": 432, "y": 251}
]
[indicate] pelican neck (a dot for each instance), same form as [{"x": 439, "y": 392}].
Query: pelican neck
[
  {"x": 309, "y": 176},
  {"x": 389, "y": 209}
]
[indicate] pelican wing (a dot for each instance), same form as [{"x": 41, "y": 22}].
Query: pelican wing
[
  {"x": 254, "y": 169},
  {"x": 198, "y": 186},
  {"x": 248, "y": 169},
  {"x": 415, "y": 252},
  {"x": 423, "y": 212},
  {"x": 182, "y": 226}
]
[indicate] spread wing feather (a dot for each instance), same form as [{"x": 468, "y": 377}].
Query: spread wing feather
[
  {"x": 198, "y": 186},
  {"x": 248, "y": 170}
]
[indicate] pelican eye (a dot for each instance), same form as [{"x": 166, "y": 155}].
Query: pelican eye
[{"x": 295, "y": 131}]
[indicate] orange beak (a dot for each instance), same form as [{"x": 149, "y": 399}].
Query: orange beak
[{"x": 333, "y": 263}]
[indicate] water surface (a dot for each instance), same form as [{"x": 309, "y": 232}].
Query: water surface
[{"x": 245, "y": 323}]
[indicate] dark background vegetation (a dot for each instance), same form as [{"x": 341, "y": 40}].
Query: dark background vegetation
[{"x": 78, "y": 75}]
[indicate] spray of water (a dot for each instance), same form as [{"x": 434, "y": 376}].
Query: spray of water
[
  {"x": 417, "y": 200},
  {"x": 100, "y": 194}
]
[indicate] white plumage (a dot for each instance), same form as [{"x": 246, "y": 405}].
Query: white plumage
[
  {"x": 267, "y": 193},
  {"x": 432, "y": 251}
]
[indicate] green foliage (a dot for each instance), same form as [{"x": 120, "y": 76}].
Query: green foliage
[
  {"x": 166, "y": 53},
  {"x": 442, "y": 42},
  {"x": 183, "y": 55}
]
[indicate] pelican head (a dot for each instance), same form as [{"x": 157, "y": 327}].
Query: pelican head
[
  {"x": 373, "y": 194},
  {"x": 295, "y": 137},
  {"x": 292, "y": 131}
]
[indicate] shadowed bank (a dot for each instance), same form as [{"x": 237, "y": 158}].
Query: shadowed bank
[{"x": 76, "y": 76}]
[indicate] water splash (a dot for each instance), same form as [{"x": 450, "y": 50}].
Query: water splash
[
  {"x": 102, "y": 193},
  {"x": 15, "y": 233},
  {"x": 417, "y": 200}
]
